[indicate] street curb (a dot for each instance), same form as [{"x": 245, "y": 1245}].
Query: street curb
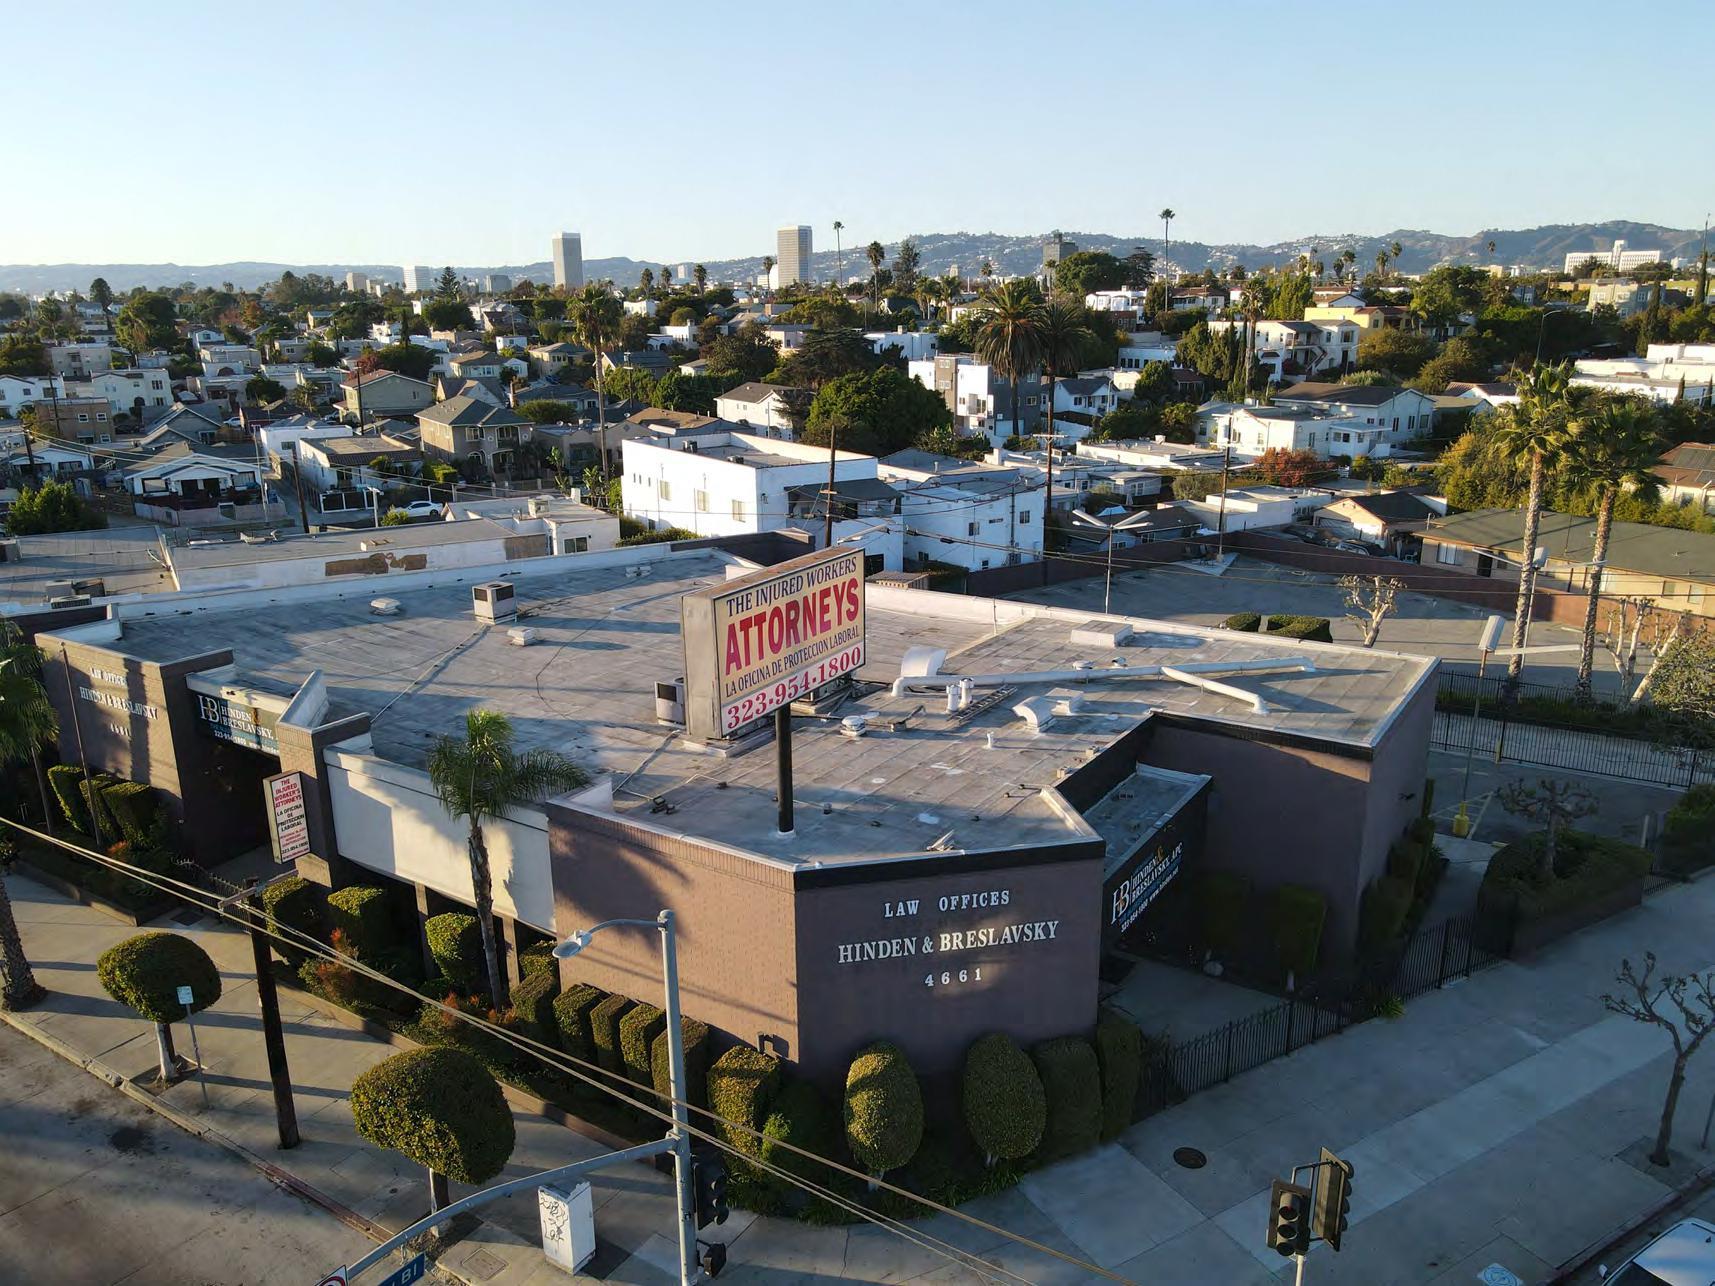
[
  {"x": 276, "y": 1175},
  {"x": 1582, "y": 1260}
]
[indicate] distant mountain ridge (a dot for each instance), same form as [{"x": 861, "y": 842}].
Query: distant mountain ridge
[{"x": 942, "y": 252}]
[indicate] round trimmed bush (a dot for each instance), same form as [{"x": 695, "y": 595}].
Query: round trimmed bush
[
  {"x": 883, "y": 1108},
  {"x": 455, "y": 942},
  {"x": 1005, "y": 1108},
  {"x": 1072, "y": 1081},
  {"x": 439, "y": 1107},
  {"x": 146, "y": 972}
]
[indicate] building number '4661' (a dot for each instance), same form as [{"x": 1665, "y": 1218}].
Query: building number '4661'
[{"x": 951, "y": 978}]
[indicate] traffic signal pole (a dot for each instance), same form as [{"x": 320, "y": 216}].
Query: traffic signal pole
[{"x": 681, "y": 1132}]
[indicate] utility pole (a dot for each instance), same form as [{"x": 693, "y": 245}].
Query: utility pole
[
  {"x": 298, "y": 479},
  {"x": 828, "y": 498},
  {"x": 273, "y": 1037},
  {"x": 1221, "y": 520},
  {"x": 1047, "y": 504}
]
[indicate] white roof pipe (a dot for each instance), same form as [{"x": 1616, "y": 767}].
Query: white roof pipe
[
  {"x": 1256, "y": 703},
  {"x": 1182, "y": 672}
]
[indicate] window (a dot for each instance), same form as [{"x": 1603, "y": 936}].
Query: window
[
  {"x": 83, "y": 417},
  {"x": 701, "y": 499},
  {"x": 1447, "y": 554},
  {"x": 1024, "y": 518},
  {"x": 738, "y": 510},
  {"x": 578, "y": 545},
  {"x": 971, "y": 528},
  {"x": 664, "y": 489}
]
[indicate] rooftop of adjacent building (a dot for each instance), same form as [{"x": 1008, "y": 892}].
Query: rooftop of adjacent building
[
  {"x": 605, "y": 635},
  {"x": 1668, "y": 552},
  {"x": 124, "y": 559}
]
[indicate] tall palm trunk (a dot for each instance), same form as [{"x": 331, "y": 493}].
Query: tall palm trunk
[
  {"x": 1527, "y": 573},
  {"x": 18, "y": 986},
  {"x": 1604, "y": 527},
  {"x": 482, "y": 886},
  {"x": 601, "y": 418}
]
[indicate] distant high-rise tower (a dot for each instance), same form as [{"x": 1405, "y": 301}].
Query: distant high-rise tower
[
  {"x": 568, "y": 255},
  {"x": 497, "y": 283},
  {"x": 792, "y": 254},
  {"x": 418, "y": 278},
  {"x": 356, "y": 282}
]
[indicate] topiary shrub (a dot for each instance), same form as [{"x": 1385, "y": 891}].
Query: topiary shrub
[
  {"x": 802, "y": 1118},
  {"x": 361, "y": 914},
  {"x": 295, "y": 903},
  {"x": 1404, "y": 861},
  {"x": 638, "y": 1029},
  {"x": 455, "y": 944},
  {"x": 694, "y": 1036},
  {"x": 604, "y": 1031},
  {"x": 1381, "y": 916},
  {"x": 145, "y": 972},
  {"x": 742, "y": 1085},
  {"x": 1072, "y": 1082},
  {"x": 66, "y": 781},
  {"x": 91, "y": 789},
  {"x": 537, "y": 958},
  {"x": 1222, "y": 898},
  {"x": 1688, "y": 835},
  {"x": 1296, "y": 916},
  {"x": 1119, "y": 1057},
  {"x": 1249, "y": 622},
  {"x": 1005, "y": 1107},
  {"x": 134, "y": 809},
  {"x": 1314, "y": 629},
  {"x": 572, "y": 1019},
  {"x": 533, "y": 1003},
  {"x": 883, "y": 1109},
  {"x": 439, "y": 1107}
]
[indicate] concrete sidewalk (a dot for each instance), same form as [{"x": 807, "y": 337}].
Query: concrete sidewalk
[{"x": 1502, "y": 1120}]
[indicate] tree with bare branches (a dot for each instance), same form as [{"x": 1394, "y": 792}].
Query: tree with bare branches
[
  {"x": 1684, "y": 1007},
  {"x": 1552, "y": 804},
  {"x": 1371, "y": 599}
]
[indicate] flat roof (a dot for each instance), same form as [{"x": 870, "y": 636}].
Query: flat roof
[
  {"x": 585, "y": 688},
  {"x": 122, "y": 558},
  {"x": 239, "y": 553}
]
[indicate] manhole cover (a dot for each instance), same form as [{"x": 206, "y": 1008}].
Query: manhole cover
[{"x": 1190, "y": 1158}]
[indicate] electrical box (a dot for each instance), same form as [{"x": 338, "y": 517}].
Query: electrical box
[{"x": 568, "y": 1225}]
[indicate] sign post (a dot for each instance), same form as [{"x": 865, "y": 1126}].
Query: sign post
[{"x": 187, "y": 998}]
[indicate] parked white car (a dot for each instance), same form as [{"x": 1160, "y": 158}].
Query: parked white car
[
  {"x": 1684, "y": 1255},
  {"x": 423, "y": 509}
]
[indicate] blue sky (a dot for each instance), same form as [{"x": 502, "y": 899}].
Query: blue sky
[{"x": 432, "y": 132}]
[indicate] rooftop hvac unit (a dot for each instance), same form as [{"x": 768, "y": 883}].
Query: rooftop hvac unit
[
  {"x": 493, "y": 601},
  {"x": 9, "y": 552},
  {"x": 670, "y": 702},
  {"x": 384, "y": 606},
  {"x": 57, "y": 589},
  {"x": 69, "y": 600}
]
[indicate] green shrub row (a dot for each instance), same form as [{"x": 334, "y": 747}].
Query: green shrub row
[
  {"x": 1587, "y": 869},
  {"x": 455, "y": 945},
  {"x": 1688, "y": 835},
  {"x": 883, "y": 1109},
  {"x": 637, "y": 1031},
  {"x": 1297, "y": 914},
  {"x": 360, "y": 913},
  {"x": 1314, "y": 629},
  {"x": 604, "y": 1032},
  {"x": 1119, "y": 1055},
  {"x": 533, "y": 1004},
  {"x": 1248, "y": 622},
  {"x": 742, "y": 1087},
  {"x": 1072, "y": 1084},
  {"x": 572, "y": 1019},
  {"x": 694, "y": 1036}
]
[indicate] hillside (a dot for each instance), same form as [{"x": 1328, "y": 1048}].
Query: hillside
[{"x": 942, "y": 252}]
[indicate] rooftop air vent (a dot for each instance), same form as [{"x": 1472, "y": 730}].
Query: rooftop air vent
[
  {"x": 521, "y": 636},
  {"x": 1101, "y": 634},
  {"x": 493, "y": 601},
  {"x": 384, "y": 606},
  {"x": 854, "y": 725}
]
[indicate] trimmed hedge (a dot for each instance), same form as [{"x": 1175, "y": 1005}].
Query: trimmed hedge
[
  {"x": 1005, "y": 1106},
  {"x": 883, "y": 1109},
  {"x": 1119, "y": 1056},
  {"x": 604, "y": 1031},
  {"x": 1588, "y": 868},
  {"x": 1221, "y": 898},
  {"x": 455, "y": 944},
  {"x": 145, "y": 972},
  {"x": 1072, "y": 1081},
  {"x": 1381, "y": 917},
  {"x": 1296, "y": 917},
  {"x": 361, "y": 914},
  {"x": 297, "y": 904},
  {"x": 742, "y": 1086},
  {"x": 637, "y": 1032},
  {"x": 1248, "y": 622},
  {"x": 536, "y": 958},
  {"x": 134, "y": 809},
  {"x": 533, "y": 1003},
  {"x": 572, "y": 1019},
  {"x": 439, "y": 1107},
  {"x": 1688, "y": 836},
  {"x": 694, "y": 1036},
  {"x": 66, "y": 781},
  {"x": 802, "y": 1118},
  {"x": 1314, "y": 629},
  {"x": 92, "y": 789}
]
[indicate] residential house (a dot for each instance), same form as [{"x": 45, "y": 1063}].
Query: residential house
[
  {"x": 487, "y": 366},
  {"x": 77, "y": 361},
  {"x": 913, "y": 345},
  {"x": 1145, "y": 346},
  {"x": 468, "y": 429},
  {"x": 656, "y": 364},
  {"x": 185, "y": 486},
  {"x": 1208, "y": 299},
  {"x": 196, "y": 426},
  {"x": 278, "y": 441},
  {"x": 222, "y": 361},
  {"x": 1249, "y": 430},
  {"x": 1091, "y": 396},
  {"x": 349, "y": 461},
  {"x": 1393, "y": 520},
  {"x": 1627, "y": 298},
  {"x": 1405, "y": 413},
  {"x": 777, "y": 410},
  {"x": 88, "y": 420},
  {"x": 568, "y": 526},
  {"x": 1294, "y": 349},
  {"x": 30, "y": 455},
  {"x": 138, "y": 394},
  {"x": 965, "y": 513},
  {"x": 786, "y": 336},
  {"x": 1664, "y": 565},
  {"x": 1488, "y": 396},
  {"x": 1687, "y": 475},
  {"x": 1665, "y": 373},
  {"x": 19, "y": 391},
  {"x": 549, "y": 359},
  {"x": 384, "y": 393},
  {"x": 1076, "y": 476},
  {"x": 1244, "y": 508},
  {"x": 980, "y": 398},
  {"x": 1156, "y": 454}
]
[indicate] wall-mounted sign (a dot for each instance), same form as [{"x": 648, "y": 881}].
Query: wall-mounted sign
[
  {"x": 119, "y": 701},
  {"x": 237, "y": 722},
  {"x": 1139, "y": 880},
  {"x": 288, "y": 824},
  {"x": 764, "y": 640}
]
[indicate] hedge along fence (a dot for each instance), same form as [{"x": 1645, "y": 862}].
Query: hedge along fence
[
  {"x": 1119, "y": 1056},
  {"x": 1297, "y": 915},
  {"x": 572, "y": 1019},
  {"x": 455, "y": 944},
  {"x": 533, "y": 1004},
  {"x": 604, "y": 1032},
  {"x": 638, "y": 1029},
  {"x": 93, "y": 790},
  {"x": 694, "y": 1035},
  {"x": 743, "y": 1083},
  {"x": 1006, "y": 1108},
  {"x": 1072, "y": 1082},
  {"x": 883, "y": 1109},
  {"x": 1221, "y": 898},
  {"x": 362, "y": 915}
]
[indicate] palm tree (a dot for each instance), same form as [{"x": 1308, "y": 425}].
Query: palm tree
[
  {"x": 1394, "y": 252},
  {"x": 1533, "y": 432},
  {"x": 646, "y": 279},
  {"x": 1066, "y": 337},
  {"x": 1614, "y": 448},
  {"x": 1381, "y": 263},
  {"x": 1010, "y": 323},
  {"x": 876, "y": 253},
  {"x": 594, "y": 314},
  {"x": 480, "y": 777},
  {"x": 767, "y": 271},
  {"x": 700, "y": 275},
  {"x": 1166, "y": 216},
  {"x": 26, "y": 721},
  {"x": 839, "y": 255}
]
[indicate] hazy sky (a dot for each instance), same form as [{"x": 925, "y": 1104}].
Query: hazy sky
[{"x": 430, "y": 132}]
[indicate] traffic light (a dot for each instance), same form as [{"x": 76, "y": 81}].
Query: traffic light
[
  {"x": 1289, "y": 1218},
  {"x": 1333, "y": 1200},
  {"x": 714, "y": 1257},
  {"x": 708, "y": 1183}
]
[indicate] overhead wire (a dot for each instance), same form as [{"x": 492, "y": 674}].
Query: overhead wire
[{"x": 579, "y": 1069}]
